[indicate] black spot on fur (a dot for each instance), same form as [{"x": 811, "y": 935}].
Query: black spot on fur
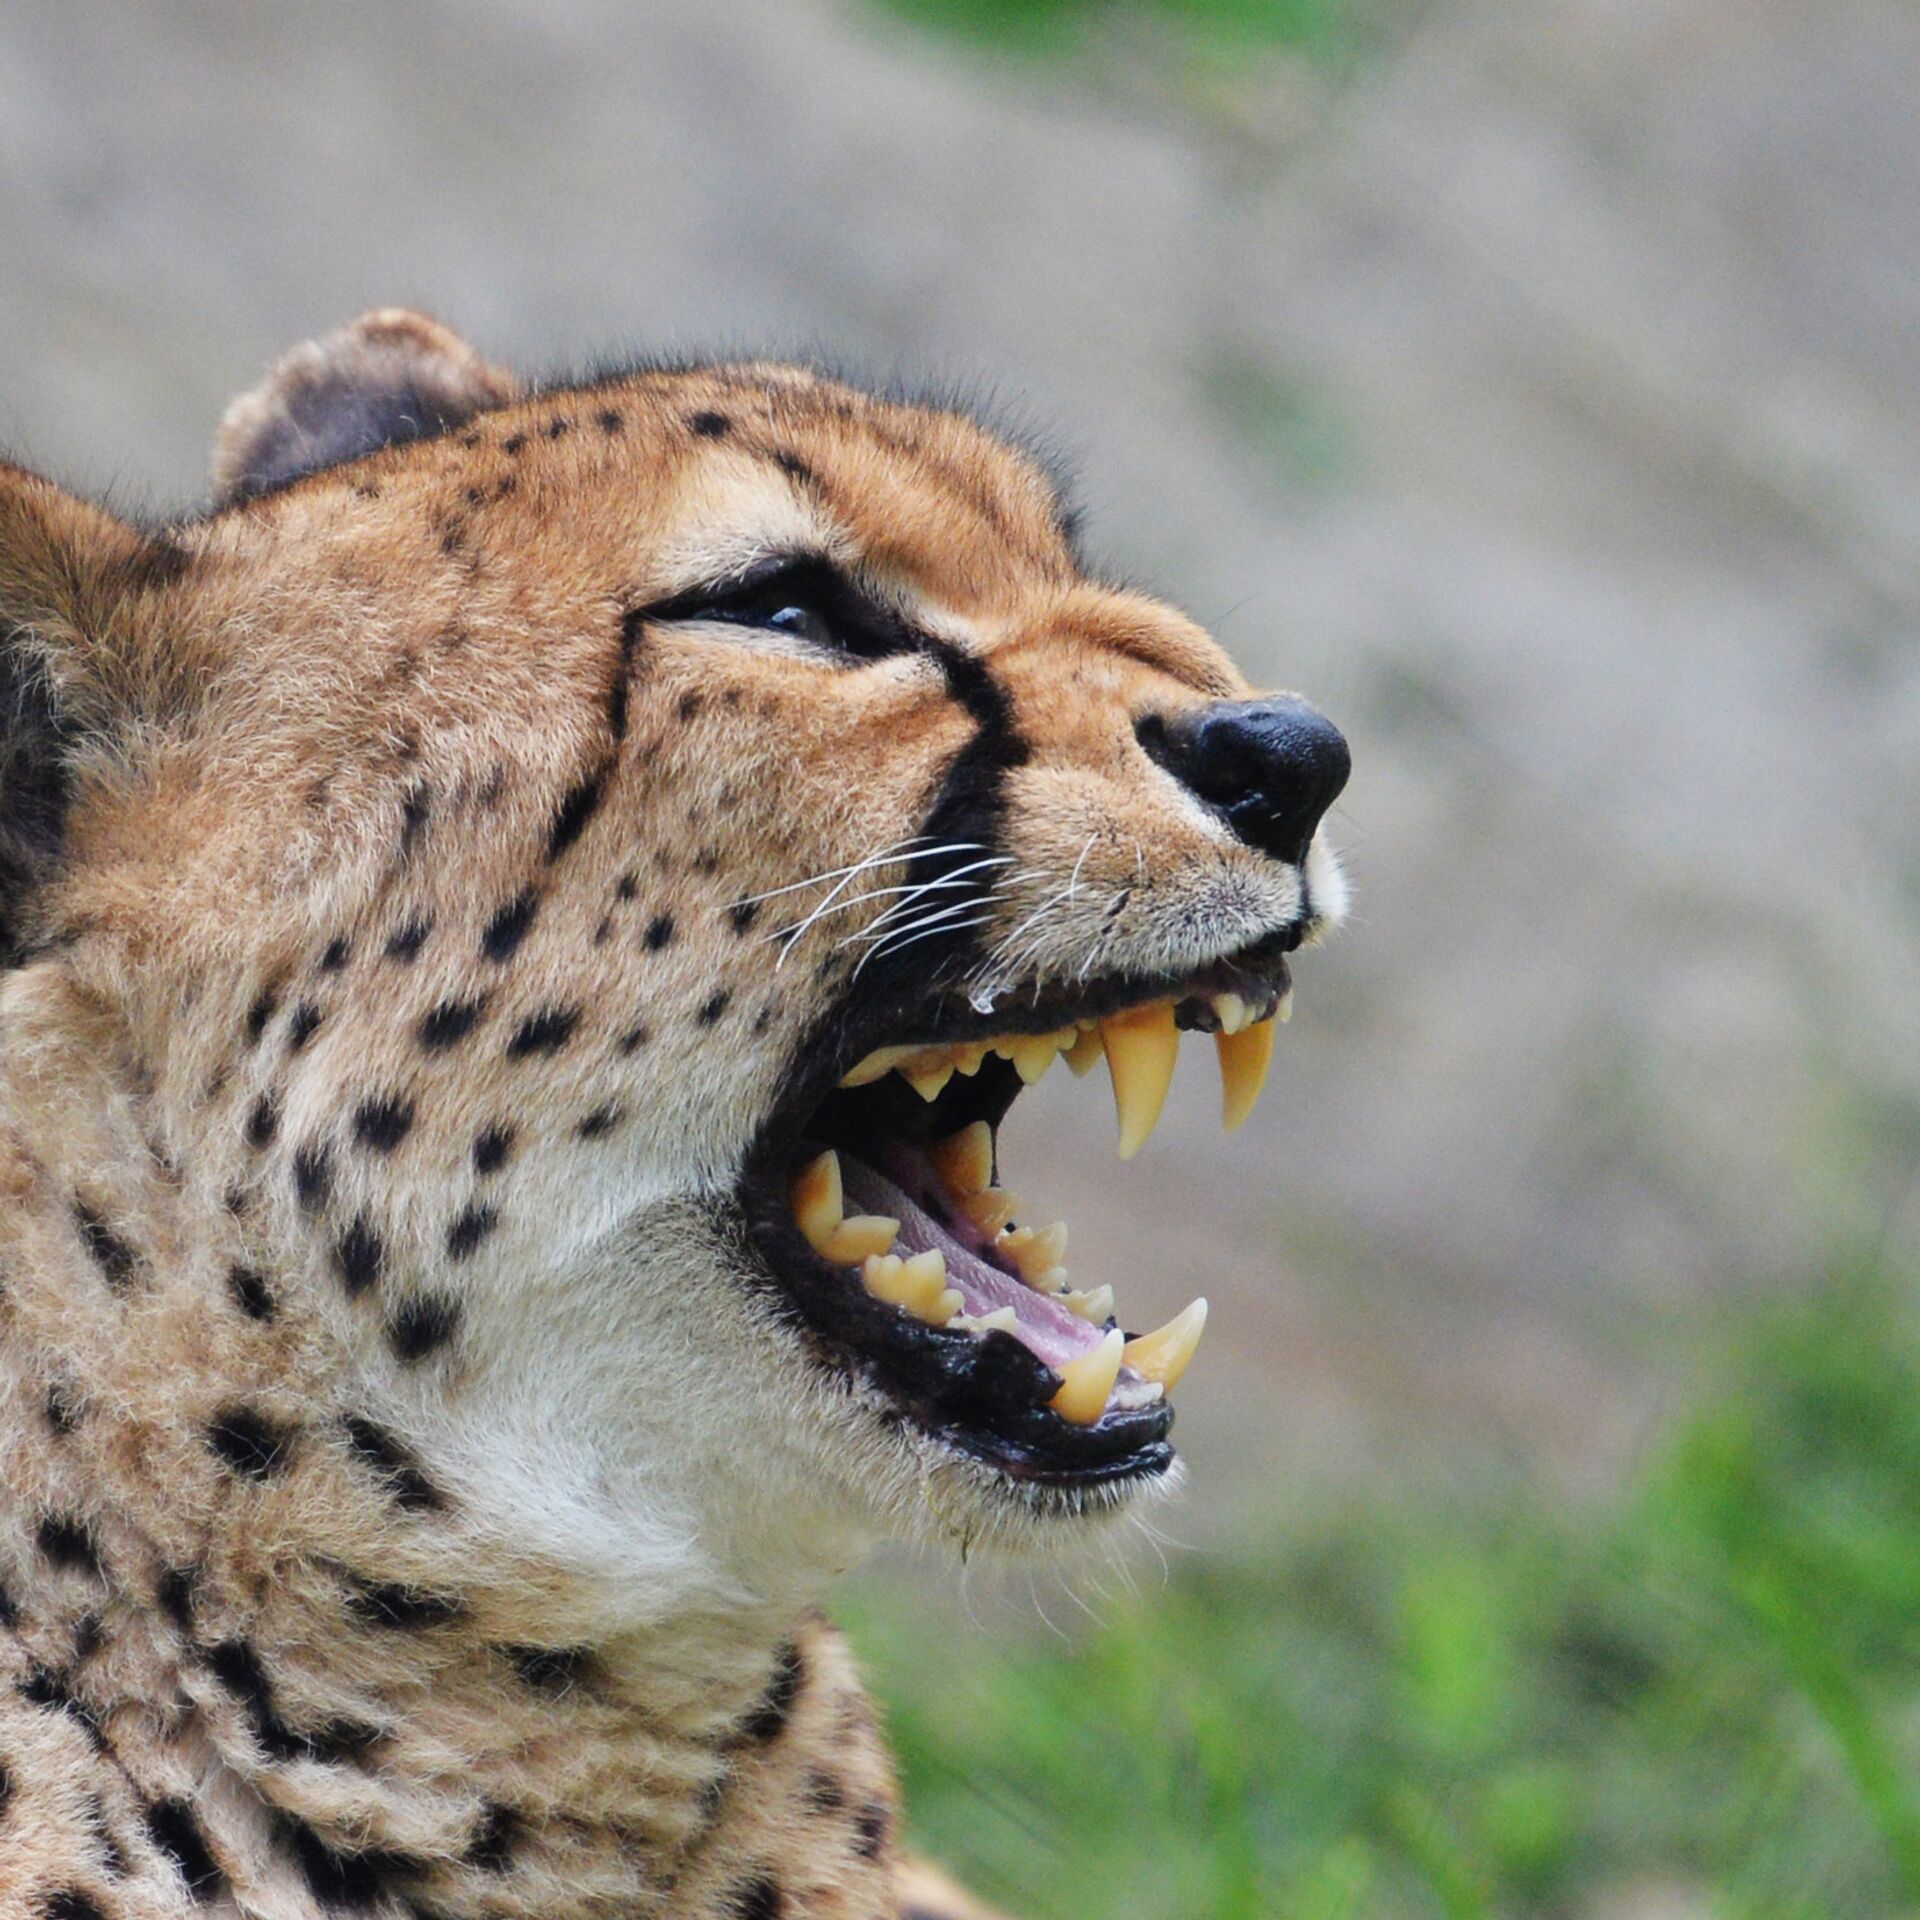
[
  {"x": 872, "y": 1825},
  {"x": 69, "y": 1903},
  {"x": 712, "y": 1009},
  {"x": 343, "y": 1878},
  {"x": 413, "y": 817},
  {"x": 450, "y": 1023},
  {"x": 110, "y": 1253},
  {"x": 250, "y": 1292},
  {"x": 513, "y": 443},
  {"x": 634, "y": 1039},
  {"x": 49, "y": 1691},
  {"x": 599, "y": 1123},
  {"x": 175, "y": 1591},
  {"x": 711, "y": 426},
  {"x": 552, "y": 1669},
  {"x": 559, "y": 427},
  {"x": 469, "y": 1230},
  {"x": 303, "y": 1026},
  {"x": 237, "y": 1668},
  {"x": 250, "y": 1443},
  {"x": 544, "y": 1032},
  {"x": 382, "y": 1124},
  {"x": 9, "y": 1610},
  {"x": 419, "y": 1327},
  {"x": 339, "y": 950},
  {"x": 620, "y": 696},
  {"x": 687, "y": 706},
  {"x": 491, "y": 1148},
  {"x": 390, "y": 1457},
  {"x": 743, "y": 914},
  {"x": 359, "y": 1257},
  {"x": 629, "y": 885},
  {"x": 509, "y": 927},
  {"x": 176, "y": 1833},
  {"x": 406, "y": 941},
  {"x": 6, "y": 1788},
  {"x": 391, "y": 1603},
  {"x": 794, "y": 468},
  {"x": 659, "y": 932},
  {"x": 491, "y": 1848},
  {"x": 260, "y": 1013},
  {"x": 87, "y": 1633},
  {"x": 825, "y": 1794},
  {"x": 66, "y": 1544},
  {"x": 63, "y": 1413},
  {"x": 755, "y": 1899},
  {"x": 776, "y": 1703},
  {"x": 262, "y": 1123},
  {"x": 312, "y": 1177},
  {"x": 579, "y": 807}
]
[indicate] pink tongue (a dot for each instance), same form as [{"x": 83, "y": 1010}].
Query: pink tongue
[{"x": 1047, "y": 1328}]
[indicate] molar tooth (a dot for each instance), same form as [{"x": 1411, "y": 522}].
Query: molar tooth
[
  {"x": 990, "y": 1209},
  {"x": 1053, "y": 1280},
  {"x": 1244, "y": 1058},
  {"x": 964, "y": 1160},
  {"x": 817, "y": 1202},
  {"x": 1142, "y": 1046},
  {"x": 1096, "y": 1304},
  {"x": 1083, "y": 1051},
  {"x": 880, "y": 1062},
  {"x": 1163, "y": 1354},
  {"x": 1035, "y": 1250},
  {"x": 968, "y": 1059},
  {"x": 918, "y": 1284},
  {"x": 927, "y": 1081},
  {"x": 1086, "y": 1382},
  {"x": 1032, "y": 1055},
  {"x": 854, "y": 1239},
  {"x": 1232, "y": 1011},
  {"x": 1000, "y": 1320}
]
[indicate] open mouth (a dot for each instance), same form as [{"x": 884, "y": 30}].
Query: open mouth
[{"x": 878, "y": 1202}]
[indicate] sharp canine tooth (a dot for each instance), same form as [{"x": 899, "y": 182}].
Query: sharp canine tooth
[
  {"x": 817, "y": 1202},
  {"x": 1244, "y": 1057},
  {"x": 1083, "y": 1051},
  {"x": 991, "y": 1209},
  {"x": 1035, "y": 1250},
  {"x": 881, "y": 1061},
  {"x": 1096, "y": 1304},
  {"x": 927, "y": 1081},
  {"x": 1163, "y": 1355},
  {"x": 964, "y": 1160},
  {"x": 853, "y": 1240},
  {"x": 1032, "y": 1055},
  {"x": 1232, "y": 1011},
  {"x": 1142, "y": 1046},
  {"x": 1086, "y": 1382}
]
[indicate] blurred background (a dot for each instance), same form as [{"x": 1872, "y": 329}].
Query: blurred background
[{"x": 1533, "y": 386}]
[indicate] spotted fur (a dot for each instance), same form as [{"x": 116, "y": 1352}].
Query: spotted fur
[{"x": 413, "y": 1504}]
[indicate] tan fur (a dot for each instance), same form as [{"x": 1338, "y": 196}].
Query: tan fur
[{"x": 431, "y": 1530}]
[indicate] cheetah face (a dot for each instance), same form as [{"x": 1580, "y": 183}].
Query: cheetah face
[{"x": 631, "y": 845}]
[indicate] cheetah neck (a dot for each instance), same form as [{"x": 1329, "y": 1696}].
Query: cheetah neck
[{"x": 317, "y": 1645}]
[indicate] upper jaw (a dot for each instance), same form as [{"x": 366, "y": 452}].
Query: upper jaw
[{"x": 1098, "y": 1413}]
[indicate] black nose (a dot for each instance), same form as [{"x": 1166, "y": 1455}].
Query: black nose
[{"x": 1272, "y": 767}]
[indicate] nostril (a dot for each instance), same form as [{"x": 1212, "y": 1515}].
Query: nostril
[{"x": 1271, "y": 768}]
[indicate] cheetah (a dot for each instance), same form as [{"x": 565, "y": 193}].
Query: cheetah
[{"x": 519, "y": 927}]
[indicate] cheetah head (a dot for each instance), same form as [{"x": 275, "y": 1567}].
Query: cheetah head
[{"x": 579, "y": 877}]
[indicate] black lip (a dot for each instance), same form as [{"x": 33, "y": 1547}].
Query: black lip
[{"x": 985, "y": 1396}]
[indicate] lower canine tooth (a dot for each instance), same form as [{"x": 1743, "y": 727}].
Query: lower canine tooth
[
  {"x": 991, "y": 1209},
  {"x": 964, "y": 1160},
  {"x": 1244, "y": 1058},
  {"x": 865, "y": 1233},
  {"x": 817, "y": 1201},
  {"x": 1086, "y": 1382},
  {"x": 1163, "y": 1355},
  {"x": 1096, "y": 1304},
  {"x": 1142, "y": 1046}
]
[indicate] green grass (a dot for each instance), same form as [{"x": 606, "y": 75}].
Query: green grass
[{"x": 1484, "y": 1701}]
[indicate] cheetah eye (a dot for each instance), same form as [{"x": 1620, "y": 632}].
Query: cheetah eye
[
  {"x": 805, "y": 598},
  {"x": 782, "y": 614}
]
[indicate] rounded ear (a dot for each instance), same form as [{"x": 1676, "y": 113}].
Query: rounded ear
[{"x": 390, "y": 377}]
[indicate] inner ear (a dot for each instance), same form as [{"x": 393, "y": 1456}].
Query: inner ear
[{"x": 390, "y": 377}]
